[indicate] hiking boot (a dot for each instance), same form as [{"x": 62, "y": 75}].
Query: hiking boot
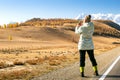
[
  {"x": 96, "y": 73},
  {"x": 82, "y": 74}
]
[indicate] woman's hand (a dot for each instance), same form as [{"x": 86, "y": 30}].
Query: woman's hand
[{"x": 80, "y": 23}]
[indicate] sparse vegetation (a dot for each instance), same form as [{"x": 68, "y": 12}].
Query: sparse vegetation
[
  {"x": 102, "y": 27},
  {"x": 10, "y": 25},
  {"x": 46, "y": 45},
  {"x": 4, "y": 26},
  {"x": 105, "y": 30},
  {"x": 53, "y": 59},
  {"x": 47, "y": 22}
]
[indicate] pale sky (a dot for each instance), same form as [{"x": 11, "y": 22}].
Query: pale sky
[{"x": 22, "y": 10}]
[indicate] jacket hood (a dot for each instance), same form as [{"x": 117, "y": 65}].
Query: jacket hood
[{"x": 87, "y": 24}]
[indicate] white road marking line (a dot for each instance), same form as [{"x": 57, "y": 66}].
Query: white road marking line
[{"x": 109, "y": 69}]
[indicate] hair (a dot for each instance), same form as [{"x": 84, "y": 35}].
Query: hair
[{"x": 88, "y": 18}]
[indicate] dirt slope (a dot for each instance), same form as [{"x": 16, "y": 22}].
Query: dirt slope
[
  {"x": 110, "y": 23},
  {"x": 33, "y": 33},
  {"x": 61, "y": 33}
]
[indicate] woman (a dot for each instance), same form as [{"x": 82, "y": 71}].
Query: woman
[{"x": 85, "y": 44}]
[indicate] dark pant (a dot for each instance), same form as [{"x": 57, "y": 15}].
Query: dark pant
[{"x": 91, "y": 56}]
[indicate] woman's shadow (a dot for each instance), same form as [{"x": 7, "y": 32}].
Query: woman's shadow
[
  {"x": 109, "y": 76},
  {"x": 113, "y": 76}
]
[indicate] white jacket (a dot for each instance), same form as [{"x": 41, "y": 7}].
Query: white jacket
[{"x": 86, "y": 32}]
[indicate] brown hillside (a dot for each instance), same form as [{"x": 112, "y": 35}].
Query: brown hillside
[
  {"x": 35, "y": 33},
  {"x": 105, "y": 29},
  {"x": 110, "y": 23},
  {"x": 64, "y": 32}
]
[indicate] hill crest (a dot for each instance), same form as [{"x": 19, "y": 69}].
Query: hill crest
[{"x": 57, "y": 30}]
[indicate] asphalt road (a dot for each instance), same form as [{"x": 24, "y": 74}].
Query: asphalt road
[
  {"x": 113, "y": 72},
  {"x": 104, "y": 61}
]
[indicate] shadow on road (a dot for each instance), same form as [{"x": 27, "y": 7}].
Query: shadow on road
[{"x": 113, "y": 76}]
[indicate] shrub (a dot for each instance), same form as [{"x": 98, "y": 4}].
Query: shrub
[
  {"x": 32, "y": 61},
  {"x": 19, "y": 62}
]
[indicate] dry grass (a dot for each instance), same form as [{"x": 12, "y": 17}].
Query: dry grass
[
  {"x": 19, "y": 62},
  {"x": 44, "y": 49},
  {"x": 47, "y": 22},
  {"x": 49, "y": 62},
  {"x": 43, "y": 62},
  {"x": 32, "y": 61},
  {"x": 105, "y": 30},
  {"x": 2, "y": 64},
  {"x": 17, "y": 74}
]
